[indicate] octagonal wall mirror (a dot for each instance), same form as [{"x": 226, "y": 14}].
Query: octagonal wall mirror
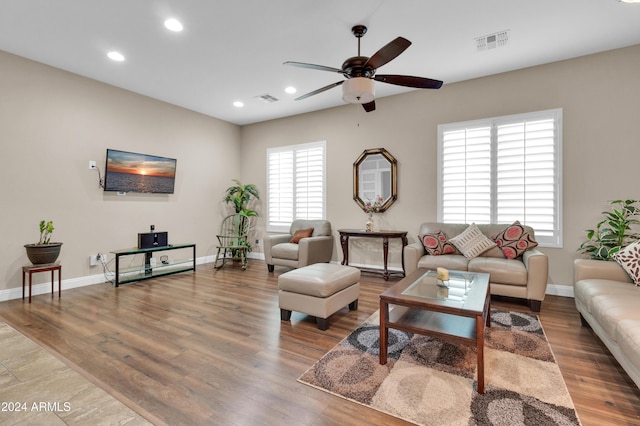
[{"x": 374, "y": 174}]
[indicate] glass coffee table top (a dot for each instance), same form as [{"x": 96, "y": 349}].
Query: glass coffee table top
[{"x": 455, "y": 289}]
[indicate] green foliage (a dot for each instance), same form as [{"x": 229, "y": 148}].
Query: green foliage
[
  {"x": 46, "y": 228},
  {"x": 240, "y": 195},
  {"x": 613, "y": 232}
]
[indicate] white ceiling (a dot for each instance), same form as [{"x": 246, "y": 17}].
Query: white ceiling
[{"x": 234, "y": 50}]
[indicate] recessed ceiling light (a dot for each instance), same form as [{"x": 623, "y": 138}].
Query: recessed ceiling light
[
  {"x": 238, "y": 104},
  {"x": 291, "y": 90},
  {"x": 173, "y": 24},
  {"x": 116, "y": 56}
]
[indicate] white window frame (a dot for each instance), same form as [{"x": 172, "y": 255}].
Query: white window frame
[
  {"x": 292, "y": 184},
  {"x": 549, "y": 234}
]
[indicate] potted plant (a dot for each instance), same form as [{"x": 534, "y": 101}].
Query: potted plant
[
  {"x": 613, "y": 232},
  {"x": 44, "y": 251},
  {"x": 240, "y": 195}
]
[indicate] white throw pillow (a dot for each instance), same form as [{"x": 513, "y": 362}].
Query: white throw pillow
[
  {"x": 472, "y": 242},
  {"x": 629, "y": 259}
]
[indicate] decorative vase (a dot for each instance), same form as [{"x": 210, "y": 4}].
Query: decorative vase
[
  {"x": 368, "y": 225},
  {"x": 40, "y": 254}
]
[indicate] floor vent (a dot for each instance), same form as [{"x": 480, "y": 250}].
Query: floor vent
[
  {"x": 267, "y": 98},
  {"x": 491, "y": 41}
]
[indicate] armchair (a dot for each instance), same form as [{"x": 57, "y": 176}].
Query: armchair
[{"x": 318, "y": 248}]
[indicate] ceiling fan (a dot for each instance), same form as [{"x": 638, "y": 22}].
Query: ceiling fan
[{"x": 360, "y": 72}]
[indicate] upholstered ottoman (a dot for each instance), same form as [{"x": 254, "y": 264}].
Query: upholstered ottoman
[{"x": 319, "y": 290}]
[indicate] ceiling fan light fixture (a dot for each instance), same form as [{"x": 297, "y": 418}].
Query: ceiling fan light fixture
[{"x": 358, "y": 90}]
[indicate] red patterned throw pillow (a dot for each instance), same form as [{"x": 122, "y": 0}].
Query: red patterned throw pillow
[
  {"x": 514, "y": 240},
  {"x": 629, "y": 259},
  {"x": 437, "y": 243}
]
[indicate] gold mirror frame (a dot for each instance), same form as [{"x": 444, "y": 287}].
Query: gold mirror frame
[{"x": 380, "y": 176}]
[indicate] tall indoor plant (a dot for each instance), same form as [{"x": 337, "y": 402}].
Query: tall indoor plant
[
  {"x": 44, "y": 251},
  {"x": 614, "y": 231},
  {"x": 240, "y": 196}
]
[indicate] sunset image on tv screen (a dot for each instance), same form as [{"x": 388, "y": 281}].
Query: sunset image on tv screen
[{"x": 132, "y": 172}]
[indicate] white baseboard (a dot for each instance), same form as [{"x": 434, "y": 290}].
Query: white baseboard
[{"x": 560, "y": 290}]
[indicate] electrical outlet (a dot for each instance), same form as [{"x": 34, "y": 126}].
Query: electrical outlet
[
  {"x": 97, "y": 258},
  {"x": 257, "y": 242},
  {"x": 92, "y": 165}
]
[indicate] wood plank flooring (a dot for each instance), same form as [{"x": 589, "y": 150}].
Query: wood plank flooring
[{"x": 209, "y": 348}]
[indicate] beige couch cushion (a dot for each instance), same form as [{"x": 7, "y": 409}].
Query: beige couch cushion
[
  {"x": 585, "y": 290},
  {"x": 503, "y": 271},
  {"x": 287, "y": 251},
  {"x": 608, "y": 310},
  {"x": 450, "y": 261},
  {"x": 628, "y": 338}
]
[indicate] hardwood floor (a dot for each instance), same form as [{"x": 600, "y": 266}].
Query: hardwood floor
[{"x": 209, "y": 348}]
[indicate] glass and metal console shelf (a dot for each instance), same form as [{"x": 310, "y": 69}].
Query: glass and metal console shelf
[{"x": 153, "y": 269}]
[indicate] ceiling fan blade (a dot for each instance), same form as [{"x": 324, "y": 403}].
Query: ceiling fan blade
[
  {"x": 388, "y": 52},
  {"x": 313, "y": 67},
  {"x": 369, "y": 106},
  {"x": 409, "y": 81},
  {"x": 320, "y": 90}
]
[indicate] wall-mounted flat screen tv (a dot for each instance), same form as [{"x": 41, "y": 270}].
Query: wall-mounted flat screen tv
[{"x": 132, "y": 172}]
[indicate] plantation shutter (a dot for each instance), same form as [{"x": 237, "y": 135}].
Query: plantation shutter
[
  {"x": 526, "y": 176},
  {"x": 501, "y": 170},
  {"x": 280, "y": 188},
  {"x": 466, "y": 176},
  {"x": 310, "y": 183},
  {"x": 296, "y": 182}
]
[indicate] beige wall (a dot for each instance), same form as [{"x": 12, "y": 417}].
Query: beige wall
[
  {"x": 600, "y": 98},
  {"x": 53, "y": 122}
]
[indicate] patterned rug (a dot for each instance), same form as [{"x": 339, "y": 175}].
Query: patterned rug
[{"x": 430, "y": 381}]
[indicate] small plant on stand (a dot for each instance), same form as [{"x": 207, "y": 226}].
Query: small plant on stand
[{"x": 44, "y": 251}]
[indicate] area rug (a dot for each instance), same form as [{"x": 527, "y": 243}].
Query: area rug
[{"x": 430, "y": 381}]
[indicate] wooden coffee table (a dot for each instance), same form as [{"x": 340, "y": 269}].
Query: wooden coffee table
[{"x": 419, "y": 305}]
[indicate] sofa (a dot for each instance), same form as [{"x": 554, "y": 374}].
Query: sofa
[
  {"x": 308, "y": 242},
  {"x": 609, "y": 303},
  {"x": 524, "y": 276}
]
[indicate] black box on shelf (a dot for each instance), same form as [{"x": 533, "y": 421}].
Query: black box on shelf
[{"x": 152, "y": 239}]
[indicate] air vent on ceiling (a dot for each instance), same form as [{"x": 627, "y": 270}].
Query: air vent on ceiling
[
  {"x": 266, "y": 98},
  {"x": 491, "y": 41}
]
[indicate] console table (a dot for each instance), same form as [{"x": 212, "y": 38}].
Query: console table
[
  {"x": 384, "y": 236},
  {"x": 151, "y": 271}
]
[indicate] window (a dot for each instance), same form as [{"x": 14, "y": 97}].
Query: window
[
  {"x": 295, "y": 184},
  {"x": 503, "y": 169}
]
